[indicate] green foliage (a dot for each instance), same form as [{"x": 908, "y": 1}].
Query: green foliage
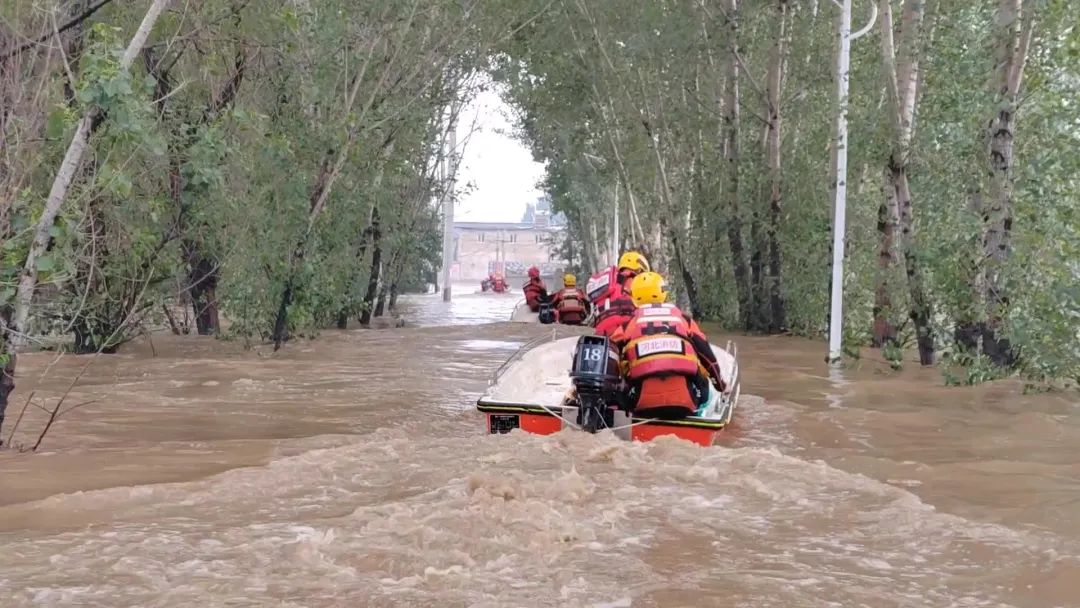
[
  {"x": 612, "y": 81},
  {"x": 208, "y": 152}
]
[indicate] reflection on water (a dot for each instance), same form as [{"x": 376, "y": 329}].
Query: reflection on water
[
  {"x": 489, "y": 344},
  {"x": 468, "y": 306},
  {"x": 352, "y": 470}
]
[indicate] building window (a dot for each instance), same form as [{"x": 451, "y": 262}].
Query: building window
[
  {"x": 479, "y": 237},
  {"x": 513, "y": 238}
]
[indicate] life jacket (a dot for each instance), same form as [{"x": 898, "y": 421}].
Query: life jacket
[
  {"x": 656, "y": 343},
  {"x": 607, "y": 285},
  {"x": 570, "y": 304},
  {"x": 534, "y": 289},
  {"x": 619, "y": 311},
  {"x": 600, "y": 285}
]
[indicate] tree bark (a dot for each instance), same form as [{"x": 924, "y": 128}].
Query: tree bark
[
  {"x": 778, "y": 63},
  {"x": 202, "y": 275},
  {"x": 688, "y": 280},
  {"x": 731, "y": 126},
  {"x": 376, "y": 269},
  {"x": 7, "y": 367},
  {"x": 380, "y": 302},
  {"x": 901, "y": 67},
  {"x": 202, "y": 287},
  {"x": 392, "y": 305},
  {"x": 922, "y": 312},
  {"x": 885, "y": 331},
  {"x": 1015, "y": 22},
  {"x": 202, "y": 266}
]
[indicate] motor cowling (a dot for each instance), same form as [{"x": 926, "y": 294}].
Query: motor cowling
[
  {"x": 595, "y": 369},
  {"x": 547, "y": 313}
]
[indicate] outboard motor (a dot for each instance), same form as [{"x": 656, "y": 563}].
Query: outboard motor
[
  {"x": 547, "y": 313},
  {"x": 596, "y": 379}
]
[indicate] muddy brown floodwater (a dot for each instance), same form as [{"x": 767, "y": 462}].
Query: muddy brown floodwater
[{"x": 353, "y": 471}]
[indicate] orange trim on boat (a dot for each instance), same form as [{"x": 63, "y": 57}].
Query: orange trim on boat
[
  {"x": 648, "y": 432},
  {"x": 541, "y": 425}
]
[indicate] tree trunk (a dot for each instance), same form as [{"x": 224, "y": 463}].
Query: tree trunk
[
  {"x": 921, "y": 308},
  {"x": 392, "y": 305},
  {"x": 1016, "y": 22},
  {"x": 759, "y": 248},
  {"x": 688, "y": 280},
  {"x": 13, "y": 336},
  {"x": 202, "y": 279},
  {"x": 901, "y": 68},
  {"x": 380, "y": 302},
  {"x": 203, "y": 266},
  {"x": 731, "y": 127},
  {"x": 384, "y": 286},
  {"x": 885, "y": 331},
  {"x": 775, "y": 85},
  {"x": 329, "y": 170},
  {"x": 7, "y": 367},
  {"x": 376, "y": 269}
]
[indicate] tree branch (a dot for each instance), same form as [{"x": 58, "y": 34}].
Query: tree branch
[{"x": 89, "y": 12}]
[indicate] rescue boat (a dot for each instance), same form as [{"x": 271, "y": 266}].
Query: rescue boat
[
  {"x": 522, "y": 314},
  {"x": 538, "y": 390}
]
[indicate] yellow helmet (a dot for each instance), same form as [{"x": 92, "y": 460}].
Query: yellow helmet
[
  {"x": 633, "y": 260},
  {"x": 569, "y": 280},
  {"x": 648, "y": 288}
]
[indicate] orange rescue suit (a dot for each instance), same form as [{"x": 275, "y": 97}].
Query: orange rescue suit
[
  {"x": 619, "y": 311},
  {"x": 608, "y": 284},
  {"x": 571, "y": 306},
  {"x": 535, "y": 292},
  {"x": 660, "y": 340},
  {"x": 608, "y": 290}
]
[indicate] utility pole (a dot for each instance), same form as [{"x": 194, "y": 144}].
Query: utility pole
[
  {"x": 615, "y": 230},
  {"x": 843, "y": 70},
  {"x": 449, "y": 175}
]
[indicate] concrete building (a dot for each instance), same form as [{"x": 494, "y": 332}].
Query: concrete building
[{"x": 509, "y": 247}]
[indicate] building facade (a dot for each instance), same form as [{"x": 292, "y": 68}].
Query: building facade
[{"x": 481, "y": 248}]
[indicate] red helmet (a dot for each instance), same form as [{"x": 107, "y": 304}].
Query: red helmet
[{"x": 534, "y": 273}]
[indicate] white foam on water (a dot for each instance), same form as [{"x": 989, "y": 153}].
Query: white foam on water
[
  {"x": 489, "y": 344},
  {"x": 563, "y": 520}
]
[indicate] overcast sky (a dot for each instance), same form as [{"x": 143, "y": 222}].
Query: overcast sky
[{"x": 500, "y": 169}]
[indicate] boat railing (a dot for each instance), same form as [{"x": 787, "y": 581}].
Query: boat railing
[{"x": 520, "y": 352}]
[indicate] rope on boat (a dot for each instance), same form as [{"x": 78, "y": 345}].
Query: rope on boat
[{"x": 631, "y": 425}]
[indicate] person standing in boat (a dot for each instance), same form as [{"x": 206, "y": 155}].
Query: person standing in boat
[
  {"x": 609, "y": 292},
  {"x": 667, "y": 360},
  {"x": 570, "y": 304},
  {"x": 535, "y": 290}
]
